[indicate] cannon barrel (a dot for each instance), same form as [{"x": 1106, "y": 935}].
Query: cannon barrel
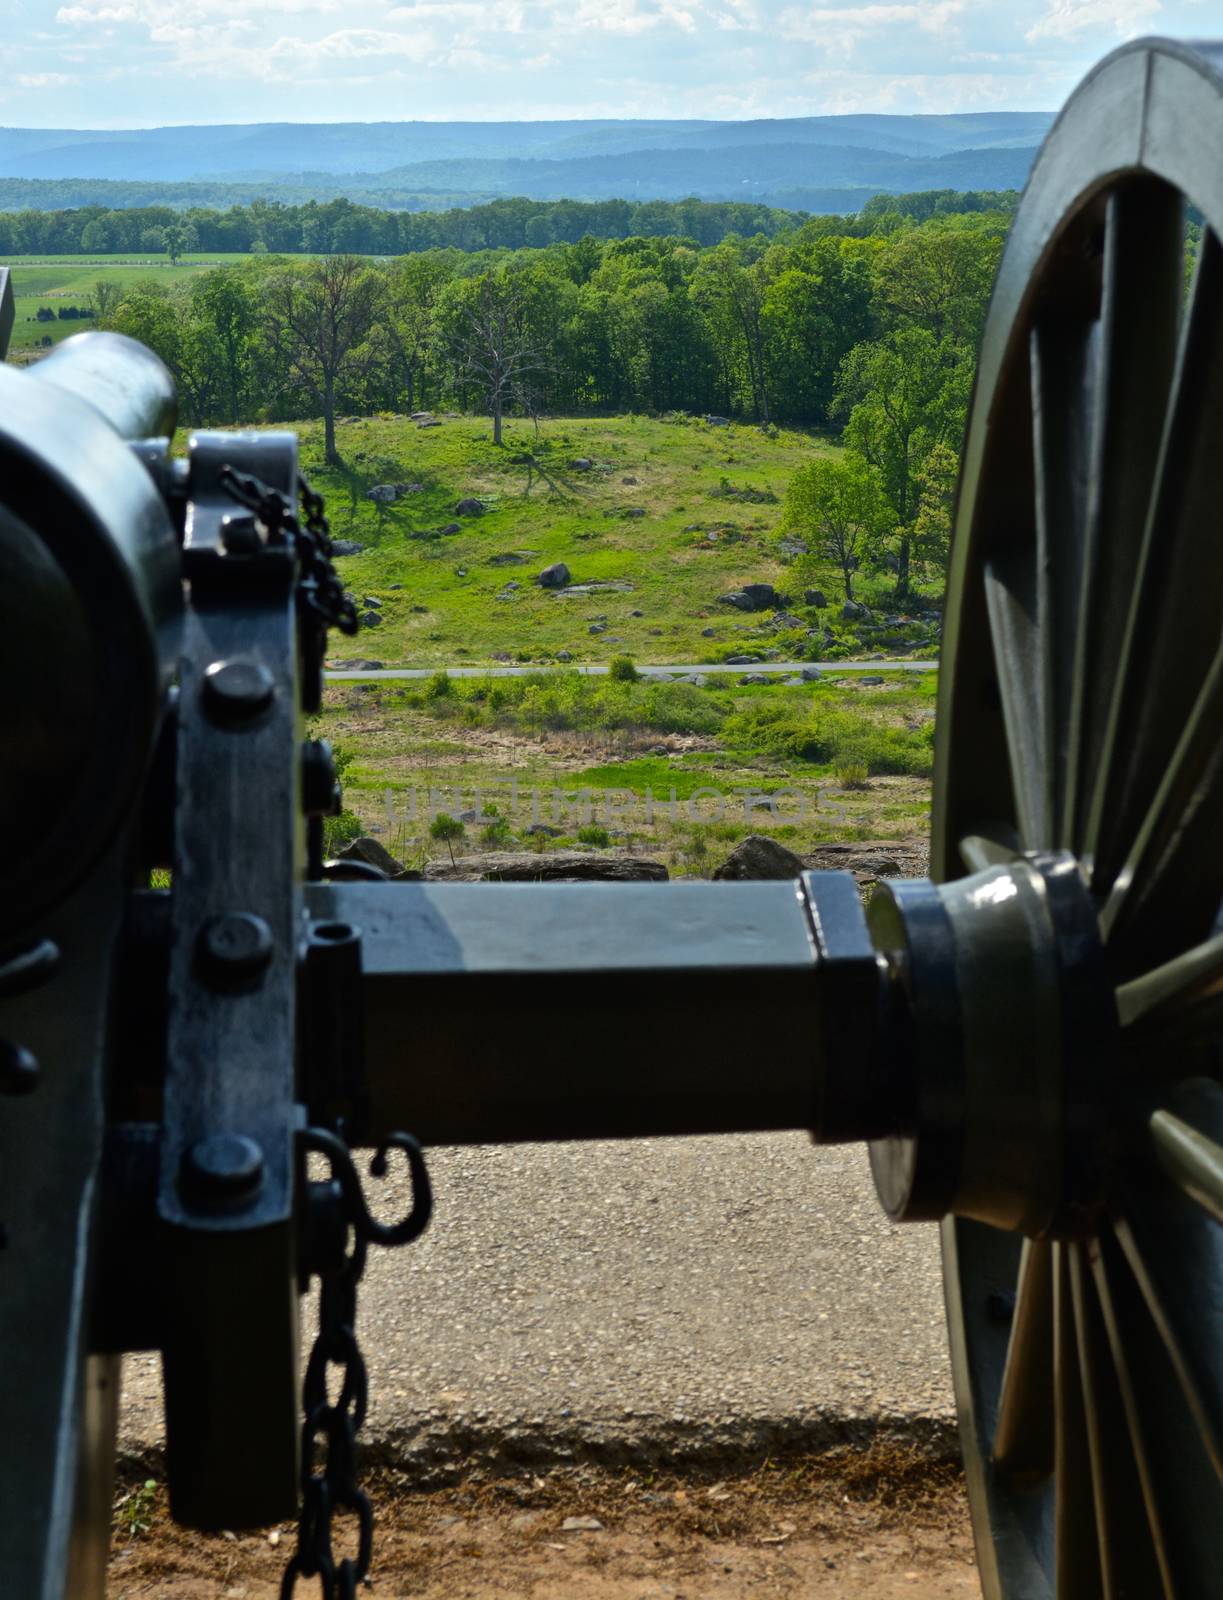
[{"x": 121, "y": 379}]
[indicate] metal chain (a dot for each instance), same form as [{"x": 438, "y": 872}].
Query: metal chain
[
  {"x": 319, "y": 589},
  {"x": 336, "y": 1426}
]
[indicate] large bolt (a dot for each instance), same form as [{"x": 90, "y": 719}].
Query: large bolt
[
  {"x": 235, "y": 946},
  {"x": 236, "y": 691},
  {"x": 18, "y": 1069},
  {"x": 222, "y": 1170}
]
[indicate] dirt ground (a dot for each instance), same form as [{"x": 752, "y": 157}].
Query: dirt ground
[{"x": 883, "y": 1523}]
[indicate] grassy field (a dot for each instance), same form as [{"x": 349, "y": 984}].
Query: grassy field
[
  {"x": 676, "y": 771},
  {"x": 666, "y": 517},
  {"x": 55, "y": 281}
]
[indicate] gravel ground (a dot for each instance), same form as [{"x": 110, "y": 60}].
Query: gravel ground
[{"x": 677, "y": 1300}]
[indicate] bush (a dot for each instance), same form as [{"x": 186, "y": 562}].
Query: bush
[
  {"x": 341, "y": 830},
  {"x": 446, "y": 829},
  {"x": 852, "y": 774},
  {"x": 439, "y": 685},
  {"x": 592, "y": 834},
  {"x": 622, "y": 670}
]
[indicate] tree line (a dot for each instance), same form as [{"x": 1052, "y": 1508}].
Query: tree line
[
  {"x": 872, "y": 334},
  {"x": 336, "y": 226}
]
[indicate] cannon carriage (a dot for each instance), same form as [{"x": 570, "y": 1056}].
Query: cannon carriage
[{"x": 1028, "y": 1041}]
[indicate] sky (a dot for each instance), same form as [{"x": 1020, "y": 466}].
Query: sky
[{"x": 145, "y": 63}]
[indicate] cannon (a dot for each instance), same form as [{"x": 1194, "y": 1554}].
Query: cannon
[{"x": 201, "y": 1018}]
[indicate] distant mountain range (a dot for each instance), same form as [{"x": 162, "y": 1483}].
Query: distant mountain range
[{"x": 410, "y": 164}]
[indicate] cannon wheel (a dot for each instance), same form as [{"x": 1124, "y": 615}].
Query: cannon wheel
[{"x": 1081, "y": 709}]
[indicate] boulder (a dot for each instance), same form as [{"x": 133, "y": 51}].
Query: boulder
[
  {"x": 708, "y": 633},
  {"x": 870, "y": 683},
  {"x": 554, "y": 577},
  {"x": 736, "y": 598},
  {"x": 469, "y": 508},
  {"x": 359, "y": 665},
  {"x": 422, "y": 416},
  {"x": 718, "y": 422},
  {"x": 370, "y": 619},
  {"x": 428, "y": 422},
  {"x": 632, "y": 482},
  {"x": 372, "y": 601},
  {"x": 346, "y": 547},
  {"x": 811, "y": 674},
  {"x": 525, "y": 866},
  {"x": 742, "y": 661},
  {"x": 373, "y": 854},
  {"x": 581, "y": 464},
  {"x": 751, "y": 597},
  {"x": 385, "y": 494},
  {"x": 563, "y": 655},
  {"x": 815, "y": 597},
  {"x": 636, "y": 613},
  {"x": 783, "y": 619},
  {"x": 854, "y": 611},
  {"x": 394, "y": 585},
  {"x": 753, "y": 677},
  {"x": 759, "y": 857},
  {"x": 453, "y": 527},
  {"x": 597, "y": 627}
]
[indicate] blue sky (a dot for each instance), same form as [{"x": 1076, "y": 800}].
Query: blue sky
[{"x": 138, "y": 63}]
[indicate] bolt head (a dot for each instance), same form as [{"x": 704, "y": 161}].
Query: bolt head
[
  {"x": 18, "y": 1069},
  {"x": 223, "y": 1169},
  {"x": 235, "y": 946},
  {"x": 235, "y": 691}
]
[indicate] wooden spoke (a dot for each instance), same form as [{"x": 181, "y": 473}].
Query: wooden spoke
[
  {"x": 1176, "y": 609},
  {"x": 1010, "y": 597},
  {"x": 1140, "y": 308},
  {"x": 1191, "y": 977},
  {"x": 1078, "y": 1550},
  {"x": 991, "y": 844},
  {"x": 1128, "y": 1562},
  {"x": 1063, "y": 361},
  {"x": 1187, "y": 1144},
  {"x": 1023, "y": 1433}
]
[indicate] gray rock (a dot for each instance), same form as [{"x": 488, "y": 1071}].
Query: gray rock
[
  {"x": 563, "y": 655},
  {"x": 815, "y": 597},
  {"x": 510, "y": 587},
  {"x": 793, "y": 547},
  {"x": 759, "y": 857},
  {"x": 636, "y": 613},
  {"x": 451, "y": 527},
  {"x": 870, "y": 683},
  {"x": 811, "y": 674},
  {"x": 421, "y": 416},
  {"x": 708, "y": 633},
  {"x": 525, "y": 866},
  {"x": 469, "y": 508},
  {"x": 597, "y": 627},
  {"x": 385, "y": 494},
  {"x": 751, "y": 597},
  {"x": 581, "y": 1525},
  {"x": 783, "y": 619},
  {"x": 554, "y": 577},
  {"x": 697, "y": 679},
  {"x": 394, "y": 585},
  {"x": 346, "y": 547},
  {"x": 718, "y": 422},
  {"x": 736, "y": 598},
  {"x": 632, "y": 482},
  {"x": 541, "y": 830},
  {"x": 373, "y": 601},
  {"x": 508, "y": 558},
  {"x": 581, "y": 464},
  {"x": 854, "y": 611},
  {"x": 360, "y": 665},
  {"x": 754, "y": 677},
  {"x": 428, "y": 422},
  {"x": 373, "y": 854},
  {"x": 741, "y": 661},
  {"x": 370, "y": 619}
]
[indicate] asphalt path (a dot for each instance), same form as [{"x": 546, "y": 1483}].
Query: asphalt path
[
  {"x": 666, "y": 1299},
  {"x": 598, "y": 669}
]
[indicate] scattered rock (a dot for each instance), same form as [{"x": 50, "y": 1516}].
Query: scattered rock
[
  {"x": 581, "y": 1525},
  {"x": 741, "y": 661},
  {"x": 753, "y": 677},
  {"x": 370, "y": 619},
  {"x": 708, "y": 633},
  {"x": 373, "y": 854},
  {"x": 600, "y": 586},
  {"x": 508, "y": 558},
  {"x": 451, "y": 527},
  {"x": 510, "y": 587},
  {"x": 429, "y": 422},
  {"x": 597, "y": 627},
  {"x": 422, "y": 416},
  {"x": 811, "y": 674},
  {"x": 394, "y": 585},
  {"x": 751, "y": 597},
  {"x": 421, "y": 609},
  {"x": 870, "y": 683},
  {"x": 758, "y": 857},
  {"x": 373, "y": 601},
  {"x": 563, "y": 655},
  {"x": 625, "y": 511},
  {"x": 469, "y": 508},
  {"x": 697, "y": 679},
  {"x": 360, "y": 665},
  {"x": 581, "y": 464},
  {"x": 554, "y": 577},
  {"x": 541, "y": 830},
  {"x": 854, "y": 611},
  {"x": 783, "y": 619},
  {"x": 346, "y": 547},
  {"x": 793, "y": 547},
  {"x": 815, "y": 597},
  {"x": 718, "y": 422},
  {"x": 632, "y": 482},
  {"x": 636, "y": 613},
  {"x": 525, "y": 866}
]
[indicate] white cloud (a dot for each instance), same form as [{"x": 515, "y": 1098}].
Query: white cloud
[
  {"x": 1066, "y": 19},
  {"x": 44, "y": 80}
]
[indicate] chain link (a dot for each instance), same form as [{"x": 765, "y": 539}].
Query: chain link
[
  {"x": 335, "y": 1426},
  {"x": 319, "y": 589}
]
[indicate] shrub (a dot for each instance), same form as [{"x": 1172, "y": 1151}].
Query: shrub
[
  {"x": 591, "y": 834},
  {"x": 447, "y": 829},
  {"x": 341, "y": 830},
  {"x": 622, "y": 670},
  {"x": 439, "y": 686},
  {"x": 851, "y": 774}
]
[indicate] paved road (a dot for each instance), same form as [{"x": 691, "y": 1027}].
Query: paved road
[
  {"x": 659, "y": 1298},
  {"x": 598, "y": 669}
]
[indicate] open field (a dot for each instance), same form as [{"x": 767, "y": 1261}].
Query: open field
[
  {"x": 69, "y": 280},
  {"x": 673, "y": 771},
  {"x": 666, "y": 516}
]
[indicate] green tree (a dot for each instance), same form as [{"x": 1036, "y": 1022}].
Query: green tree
[
  {"x": 224, "y": 308},
  {"x": 316, "y": 317},
  {"x": 936, "y": 486},
  {"x": 903, "y": 395},
  {"x": 730, "y": 287},
  {"x": 838, "y": 503},
  {"x": 939, "y": 277}
]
